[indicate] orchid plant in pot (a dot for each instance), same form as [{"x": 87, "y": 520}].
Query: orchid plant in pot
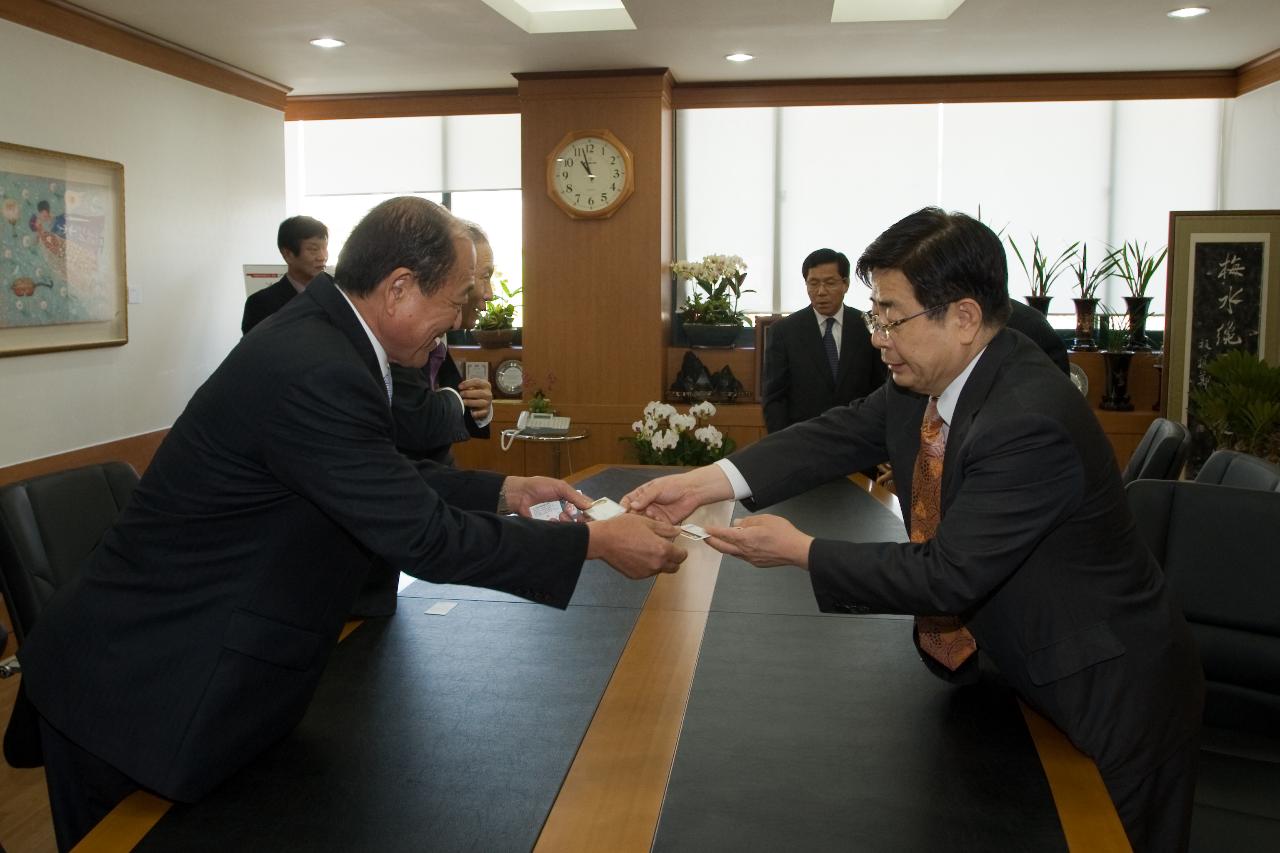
[
  {"x": 664, "y": 436},
  {"x": 1137, "y": 266},
  {"x": 1040, "y": 272},
  {"x": 710, "y": 315},
  {"x": 1087, "y": 280}
]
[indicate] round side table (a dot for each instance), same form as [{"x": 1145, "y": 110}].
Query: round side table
[{"x": 556, "y": 442}]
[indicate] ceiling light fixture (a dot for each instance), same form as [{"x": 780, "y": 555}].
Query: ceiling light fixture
[
  {"x": 739, "y": 57},
  {"x": 328, "y": 42},
  {"x": 1189, "y": 12}
]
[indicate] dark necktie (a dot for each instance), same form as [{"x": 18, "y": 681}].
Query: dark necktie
[
  {"x": 943, "y": 638},
  {"x": 435, "y": 360},
  {"x": 829, "y": 344}
]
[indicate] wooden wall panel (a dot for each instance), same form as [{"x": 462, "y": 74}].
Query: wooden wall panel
[
  {"x": 1262, "y": 71},
  {"x": 137, "y": 450},
  {"x": 594, "y": 290}
]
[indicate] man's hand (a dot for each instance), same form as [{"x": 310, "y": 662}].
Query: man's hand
[
  {"x": 763, "y": 540},
  {"x": 520, "y": 493},
  {"x": 477, "y": 396},
  {"x": 673, "y": 497},
  {"x": 636, "y": 547}
]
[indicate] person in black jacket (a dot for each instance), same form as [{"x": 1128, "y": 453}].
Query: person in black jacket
[
  {"x": 304, "y": 244},
  {"x": 819, "y": 356},
  {"x": 197, "y": 632}
]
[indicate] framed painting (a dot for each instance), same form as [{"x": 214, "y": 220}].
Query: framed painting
[
  {"x": 62, "y": 266},
  {"x": 1223, "y": 294}
]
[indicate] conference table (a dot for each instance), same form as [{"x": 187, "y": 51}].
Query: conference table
[{"x": 713, "y": 709}]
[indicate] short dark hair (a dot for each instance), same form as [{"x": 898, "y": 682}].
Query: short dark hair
[
  {"x": 945, "y": 256},
  {"x": 826, "y": 256},
  {"x": 406, "y": 231},
  {"x": 295, "y": 229}
]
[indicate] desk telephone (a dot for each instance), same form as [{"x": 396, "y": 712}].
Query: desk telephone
[{"x": 536, "y": 424}]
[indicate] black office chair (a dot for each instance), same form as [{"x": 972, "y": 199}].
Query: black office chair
[
  {"x": 1161, "y": 453},
  {"x": 1217, "y": 545},
  {"x": 48, "y": 526},
  {"x": 1231, "y": 468}
]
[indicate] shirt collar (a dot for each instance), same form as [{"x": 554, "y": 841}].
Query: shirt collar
[
  {"x": 378, "y": 351},
  {"x": 838, "y": 317},
  {"x": 950, "y": 395}
]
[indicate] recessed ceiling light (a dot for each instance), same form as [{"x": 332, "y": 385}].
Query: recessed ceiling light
[
  {"x": 1189, "y": 12},
  {"x": 739, "y": 57},
  {"x": 328, "y": 42}
]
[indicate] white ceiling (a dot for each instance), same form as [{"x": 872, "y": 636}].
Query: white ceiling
[{"x": 431, "y": 45}]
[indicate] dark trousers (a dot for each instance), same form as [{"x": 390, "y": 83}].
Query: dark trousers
[
  {"x": 1156, "y": 808},
  {"x": 82, "y": 787}
]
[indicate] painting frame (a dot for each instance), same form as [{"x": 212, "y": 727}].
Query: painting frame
[
  {"x": 62, "y": 227},
  {"x": 1194, "y": 235}
]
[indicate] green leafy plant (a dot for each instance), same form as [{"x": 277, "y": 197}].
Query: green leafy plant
[
  {"x": 500, "y": 312},
  {"x": 1087, "y": 279},
  {"x": 663, "y": 436},
  {"x": 1239, "y": 403},
  {"x": 1040, "y": 273},
  {"x": 539, "y": 403},
  {"x": 718, "y": 279},
  {"x": 1112, "y": 333},
  {"x": 1137, "y": 267}
]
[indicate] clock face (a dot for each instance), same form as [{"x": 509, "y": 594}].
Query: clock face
[
  {"x": 509, "y": 377},
  {"x": 589, "y": 174}
]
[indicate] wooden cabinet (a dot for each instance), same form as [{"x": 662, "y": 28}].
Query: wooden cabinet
[{"x": 1124, "y": 429}]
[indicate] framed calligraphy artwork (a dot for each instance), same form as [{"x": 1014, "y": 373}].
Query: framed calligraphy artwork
[
  {"x": 62, "y": 270},
  {"x": 1223, "y": 295}
]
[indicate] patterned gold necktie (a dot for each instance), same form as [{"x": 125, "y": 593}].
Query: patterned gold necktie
[{"x": 943, "y": 638}]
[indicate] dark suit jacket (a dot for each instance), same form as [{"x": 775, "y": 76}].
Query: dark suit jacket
[
  {"x": 201, "y": 624},
  {"x": 1037, "y": 550},
  {"x": 261, "y": 305},
  {"x": 797, "y": 381},
  {"x": 1034, "y": 325},
  {"x": 428, "y": 422}
]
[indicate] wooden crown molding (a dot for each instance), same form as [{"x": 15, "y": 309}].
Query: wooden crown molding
[
  {"x": 971, "y": 89},
  {"x": 1262, "y": 71},
  {"x": 86, "y": 28},
  {"x": 459, "y": 102}
]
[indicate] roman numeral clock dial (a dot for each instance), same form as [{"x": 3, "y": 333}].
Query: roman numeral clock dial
[{"x": 589, "y": 174}]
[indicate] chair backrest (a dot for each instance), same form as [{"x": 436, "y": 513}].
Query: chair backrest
[
  {"x": 48, "y": 526},
  {"x": 1231, "y": 468},
  {"x": 1218, "y": 547},
  {"x": 1161, "y": 453}
]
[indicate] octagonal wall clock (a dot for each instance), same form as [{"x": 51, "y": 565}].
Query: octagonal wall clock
[{"x": 590, "y": 174}]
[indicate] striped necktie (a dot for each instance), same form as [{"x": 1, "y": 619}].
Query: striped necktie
[
  {"x": 943, "y": 638},
  {"x": 386, "y": 380},
  {"x": 829, "y": 344}
]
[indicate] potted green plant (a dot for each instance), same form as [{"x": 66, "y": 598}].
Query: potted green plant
[
  {"x": 1137, "y": 267},
  {"x": 1113, "y": 335},
  {"x": 1040, "y": 273},
  {"x": 663, "y": 436},
  {"x": 1239, "y": 404},
  {"x": 1087, "y": 280},
  {"x": 710, "y": 314},
  {"x": 495, "y": 327}
]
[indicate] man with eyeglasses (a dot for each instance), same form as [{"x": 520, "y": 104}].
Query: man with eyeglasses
[
  {"x": 1023, "y": 553},
  {"x": 199, "y": 627},
  {"x": 819, "y": 356}
]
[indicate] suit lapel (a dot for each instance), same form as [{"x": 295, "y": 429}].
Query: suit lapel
[
  {"x": 343, "y": 316},
  {"x": 811, "y": 342},
  {"x": 848, "y": 343},
  {"x": 975, "y": 393}
]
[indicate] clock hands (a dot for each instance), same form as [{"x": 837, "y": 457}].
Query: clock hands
[{"x": 586, "y": 164}]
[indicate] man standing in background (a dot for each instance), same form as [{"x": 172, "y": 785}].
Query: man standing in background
[
  {"x": 304, "y": 244},
  {"x": 820, "y": 356}
]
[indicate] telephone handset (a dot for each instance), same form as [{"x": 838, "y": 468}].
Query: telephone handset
[{"x": 536, "y": 424}]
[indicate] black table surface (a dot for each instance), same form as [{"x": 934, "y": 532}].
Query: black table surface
[{"x": 803, "y": 731}]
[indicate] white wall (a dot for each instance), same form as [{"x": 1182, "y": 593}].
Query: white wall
[
  {"x": 204, "y": 193},
  {"x": 1251, "y": 165}
]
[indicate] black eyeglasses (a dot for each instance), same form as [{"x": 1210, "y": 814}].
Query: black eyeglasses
[{"x": 875, "y": 327}]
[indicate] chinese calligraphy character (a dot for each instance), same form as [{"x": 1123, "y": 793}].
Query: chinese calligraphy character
[
  {"x": 1231, "y": 298},
  {"x": 1227, "y": 335},
  {"x": 1230, "y": 266}
]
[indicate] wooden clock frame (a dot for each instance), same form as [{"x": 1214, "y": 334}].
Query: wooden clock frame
[{"x": 628, "y": 185}]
